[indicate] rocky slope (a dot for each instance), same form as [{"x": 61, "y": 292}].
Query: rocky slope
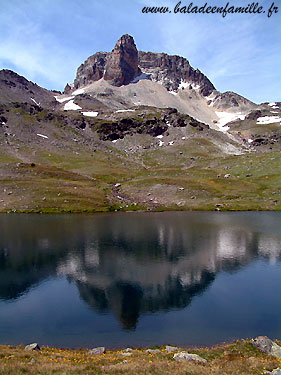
[{"x": 17, "y": 89}]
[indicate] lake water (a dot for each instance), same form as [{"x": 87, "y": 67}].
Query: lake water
[{"x": 139, "y": 279}]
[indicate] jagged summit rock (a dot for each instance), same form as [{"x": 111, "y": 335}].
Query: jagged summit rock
[{"x": 122, "y": 63}]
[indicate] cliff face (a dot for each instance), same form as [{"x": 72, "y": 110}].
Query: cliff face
[
  {"x": 92, "y": 70},
  {"x": 171, "y": 71},
  {"x": 125, "y": 63},
  {"x": 122, "y": 63}
]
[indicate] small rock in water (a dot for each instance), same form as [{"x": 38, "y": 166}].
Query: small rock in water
[
  {"x": 33, "y": 346},
  {"x": 171, "y": 349},
  {"x": 97, "y": 351},
  {"x": 184, "y": 356},
  {"x": 267, "y": 346}
]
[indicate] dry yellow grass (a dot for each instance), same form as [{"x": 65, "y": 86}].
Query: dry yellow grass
[{"x": 239, "y": 358}]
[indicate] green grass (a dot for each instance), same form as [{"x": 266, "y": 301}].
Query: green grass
[
  {"x": 239, "y": 358},
  {"x": 79, "y": 179}
]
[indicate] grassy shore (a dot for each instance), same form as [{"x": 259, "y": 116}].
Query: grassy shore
[{"x": 239, "y": 357}]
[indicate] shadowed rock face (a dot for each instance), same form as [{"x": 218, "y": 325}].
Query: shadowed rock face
[
  {"x": 92, "y": 70},
  {"x": 122, "y": 64}
]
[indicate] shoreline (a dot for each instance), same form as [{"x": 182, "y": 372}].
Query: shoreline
[
  {"x": 238, "y": 357},
  {"x": 94, "y": 211}
]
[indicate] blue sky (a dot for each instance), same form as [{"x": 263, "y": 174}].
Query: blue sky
[{"x": 46, "y": 40}]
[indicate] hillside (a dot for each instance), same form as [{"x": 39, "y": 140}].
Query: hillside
[{"x": 136, "y": 130}]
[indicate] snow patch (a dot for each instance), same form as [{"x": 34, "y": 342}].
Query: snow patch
[
  {"x": 35, "y": 101},
  {"x": 78, "y": 92},
  {"x": 71, "y": 106},
  {"x": 90, "y": 114},
  {"x": 171, "y": 143},
  {"x": 268, "y": 120},
  {"x": 159, "y": 136},
  {"x": 161, "y": 143},
  {"x": 3, "y": 123},
  {"x": 272, "y": 104},
  {"x": 124, "y": 110},
  {"x": 42, "y": 135},
  {"x": 173, "y": 92},
  {"x": 274, "y": 112},
  {"x": 250, "y": 140},
  {"x": 140, "y": 77},
  {"x": 115, "y": 140},
  {"x": 226, "y": 117},
  {"x": 61, "y": 100},
  {"x": 211, "y": 99},
  {"x": 183, "y": 85},
  {"x": 183, "y": 138}
]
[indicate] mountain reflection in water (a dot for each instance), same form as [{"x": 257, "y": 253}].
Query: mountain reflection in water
[{"x": 133, "y": 264}]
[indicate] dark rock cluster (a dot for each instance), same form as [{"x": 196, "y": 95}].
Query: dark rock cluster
[{"x": 153, "y": 124}]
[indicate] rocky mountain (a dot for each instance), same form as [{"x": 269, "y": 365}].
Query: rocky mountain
[
  {"x": 126, "y": 65},
  {"x": 136, "y": 130}
]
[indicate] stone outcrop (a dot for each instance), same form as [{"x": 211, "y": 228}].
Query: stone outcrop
[
  {"x": 184, "y": 356},
  {"x": 122, "y": 64},
  {"x": 267, "y": 346},
  {"x": 171, "y": 349},
  {"x": 97, "y": 351},
  {"x": 33, "y": 346}
]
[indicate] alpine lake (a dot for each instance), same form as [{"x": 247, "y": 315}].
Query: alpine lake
[{"x": 139, "y": 279}]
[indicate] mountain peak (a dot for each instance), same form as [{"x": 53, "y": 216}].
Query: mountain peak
[{"x": 122, "y": 64}]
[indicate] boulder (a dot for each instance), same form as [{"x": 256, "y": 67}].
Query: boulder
[
  {"x": 267, "y": 346},
  {"x": 171, "y": 349},
  {"x": 33, "y": 346},
  {"x": 184, "y": 356},
  {"x": 97, "y": 351},
  {"x": 153, "y": 351}
]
